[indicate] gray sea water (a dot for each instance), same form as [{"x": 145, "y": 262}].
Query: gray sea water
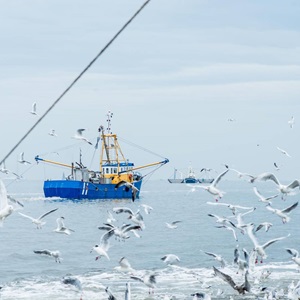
[{"x": 26, "y": 275}]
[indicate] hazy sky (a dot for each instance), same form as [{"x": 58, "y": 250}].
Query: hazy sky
[{"x": 172, "y": 79}]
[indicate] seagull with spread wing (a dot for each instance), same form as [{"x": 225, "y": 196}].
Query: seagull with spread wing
[
  {"x": 128, "y": 186},
  {"x": 258, "y": 248},
  {"x": 282, "y": 188},
  {"x": 261, "y": 197},
  {"x": 282, "y": 213},
  {"x": 55, "y": 254},
  {"x": 79, "y": 136},
  {"x": 283, "y": 152},
  {"x": 148, "y": 279},
  {"x": 244, "y": 287},
  {"x": 38, "y": 221},
  {"x": 5, "y": 208},
  {"x": 212, "y": 188}
]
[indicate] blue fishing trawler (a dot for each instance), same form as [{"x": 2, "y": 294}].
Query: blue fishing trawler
[{"x": 117, "y": 177}]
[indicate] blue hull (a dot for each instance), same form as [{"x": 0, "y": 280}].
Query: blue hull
[{"x": 72, "y": 189}]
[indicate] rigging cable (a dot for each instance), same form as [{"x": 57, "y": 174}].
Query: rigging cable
[
  {"x": 140, "y": 147},
  {"x": 74, "y": 81}
]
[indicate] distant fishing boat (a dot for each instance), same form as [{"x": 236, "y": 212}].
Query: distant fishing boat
[
  {"x": 117, "y": 177},
  {"x": 190, "y": 177}
]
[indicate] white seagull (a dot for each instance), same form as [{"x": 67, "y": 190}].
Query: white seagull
[
  {"x": 110, "y": 217},
  {"x": 61, "y": 228},
  {"x": 284, "y": 189},
  {"x": 283, "y": 152},
  {"x": 230, "y": 229},
  {"x": 147, "y": 208},
  {"x": 173, "y": 225},
  {"x": 217, "y": 257},
  {"x": 260, "y": 249},
  {"x": 5, "y": 208},
  {"x": 102, "y": 248},
  {"x": 78, "y": 136},
  {"x": 55, "y": 254},
  {"x": 283, "y": 213},
  {"x": 52, "y": 132},
  {"x": 241, "y": 175},
  {"x": 124, "y": 266},
  {"x": 170, "y": 259},
  {"x": 148, "y": 279},
  {"x": 262, "y": 198},
  {"x": 22, "y": 160},
  {"x": 136, "y": 217},
  {"x": 295, "y": 255},
  {"x": 128, "y": 186},
  {"x": 242, "y": 264},
  {"x": 291, "y": 122},
  {"x": 3, "y": 169},
  {"x": 244, "y": 287},
  {"x": 212, "y": 188},
  {"x": 33, "y": 109},
  {"x": 232, "y": 207},
  {"x": 38, "y": 222},
  {"x": 266, "y": 225},
  {"x": 121, "y": 233}
]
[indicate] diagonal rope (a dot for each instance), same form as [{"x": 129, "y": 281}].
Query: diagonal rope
[{"x": 74, "y": 81}]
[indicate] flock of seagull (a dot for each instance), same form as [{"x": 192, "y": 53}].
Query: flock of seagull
[
  {"x": 243, "y": 268},
  {"x": 235, "y": 224}
]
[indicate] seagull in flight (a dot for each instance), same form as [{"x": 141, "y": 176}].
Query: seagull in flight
[
  {"x": 291, "y": 122},
  {"x": 232, "y": 207},
  {"x": 102, "y": 248},
  {"x": 276, "y": 166},
  {"x": 39, "y": 223},
  {"x": 148, "y": 279},
  {"x": 22, "y": 160},
  {"x": 258, "y": 248},
  {"x": 284, "y": 189},
  {"x": 242, "y": 264},
  {"x": 124, "y": 266},
  {"x": 128, "y": 186},
  {"x": 147, "y": 208},
  {"x": 244, "y": 287},
  {"x": 78, "y": 136},
  {"x": 55, "y": 254},
  {"x": 261, "y": 197},
  {"x": 283, "y": 214},
  {"x": 217, "y": 257},
  {"x": 5, "y": 208},
  {"x": 52, "y": 132},
  {"x": 212, "y": 188},
  {"x": 170, "y": 259},
  {"x": 136, "y": 218},
  {"x": 121, "y": 233},
  {"x": 230, "y": 229},
  {"x": 61, "y": 228},
  {"x": 295, "y": 255},
  {"x": 3, "y": 169},
  {"x": 241, "y": 175},
  {"x": 265, "y": 225},
  {"x": 283, "y": 152},
  {"x": 33, "y": 109},
  {"x": 173, "y": 225}
]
